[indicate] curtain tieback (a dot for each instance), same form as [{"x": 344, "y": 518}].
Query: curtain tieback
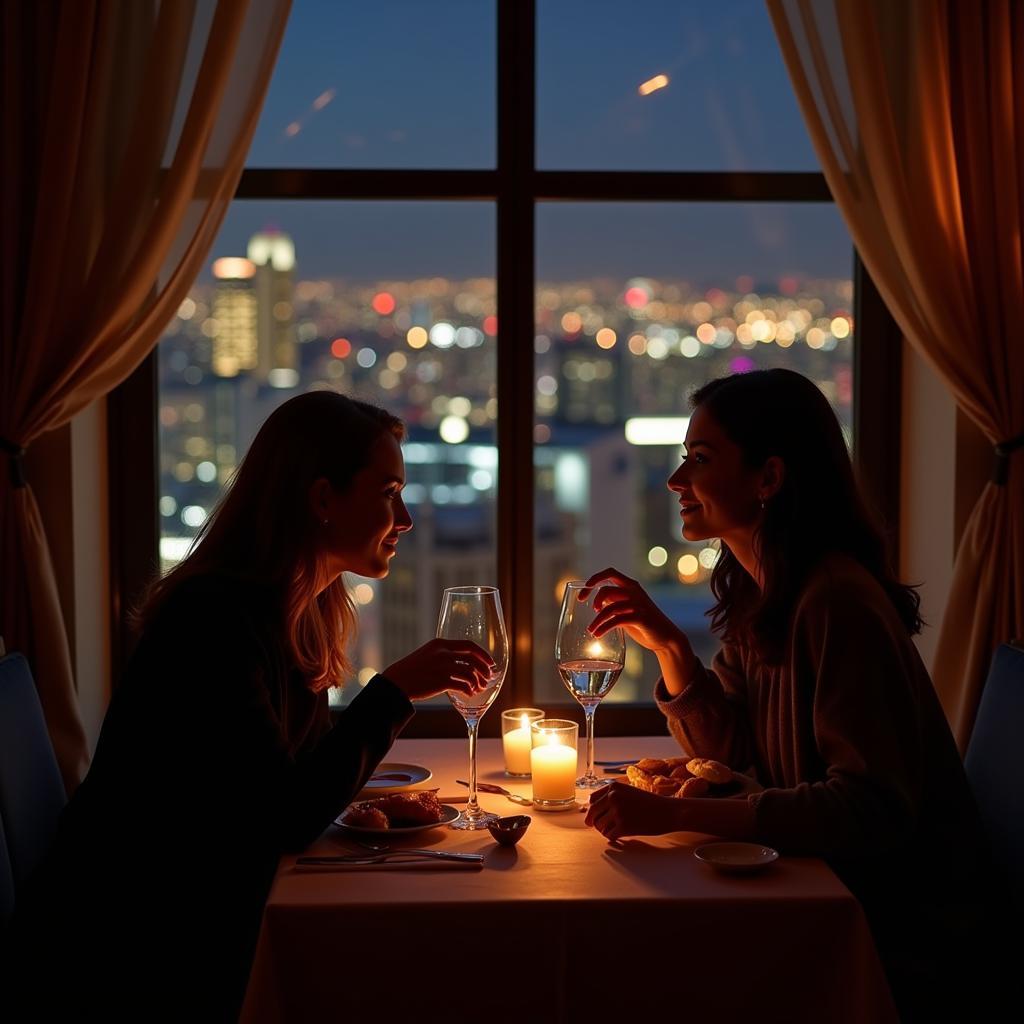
[
  {"x": 1003, "y": 451},
  {"x": 16, "y": 461}
]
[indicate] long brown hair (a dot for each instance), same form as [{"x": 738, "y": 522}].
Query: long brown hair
[
  {"x": 819, "y": 508},
  {"x": 262, "y": 530}
]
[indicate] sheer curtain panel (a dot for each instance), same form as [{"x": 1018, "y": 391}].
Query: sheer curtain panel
[{"x": 126, "y": 126}]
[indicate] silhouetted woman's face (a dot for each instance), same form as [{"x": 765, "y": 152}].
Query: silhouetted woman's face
[
  {"x": 366, "y": 520},
  {"x": 718, "y": 493}
]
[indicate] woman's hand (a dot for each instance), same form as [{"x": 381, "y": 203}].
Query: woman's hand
[
  {"x": 441, "y": 665},
  {"x": 621, "y": 602},
  {"x": 620, "y": 809}
]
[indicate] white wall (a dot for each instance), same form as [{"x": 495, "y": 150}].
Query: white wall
[
  {"x": 91, "y": 554},
  {"x": 927, "y": 489}
]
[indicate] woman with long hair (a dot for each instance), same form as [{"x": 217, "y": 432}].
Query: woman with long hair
[
  {"x": 818, "y": 691},
  {"x": 217, "y": 753}
]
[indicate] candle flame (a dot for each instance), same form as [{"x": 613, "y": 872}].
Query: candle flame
[
  {"x": 595, "y": 650},
  {"x": 553, "y": 740},
  {"x": 524, "y": 721}
]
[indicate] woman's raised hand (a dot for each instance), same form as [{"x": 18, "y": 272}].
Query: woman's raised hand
[
  {"x": 441, "y": 665},
  {"x": 621, "y": 601}
]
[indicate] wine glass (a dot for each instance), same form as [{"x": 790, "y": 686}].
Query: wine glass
[
  {"x": 474, "y": 613},
  {"x": 589, "y": 666}
]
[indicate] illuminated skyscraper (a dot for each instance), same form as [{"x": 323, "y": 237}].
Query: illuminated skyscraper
[
  {"x": 235, "y": 314},
  {"x": 273, "y": 254}
]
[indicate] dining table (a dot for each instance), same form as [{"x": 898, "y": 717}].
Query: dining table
[{"x": 563, "y": 927}]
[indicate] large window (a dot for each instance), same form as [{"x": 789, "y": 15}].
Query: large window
[{"x": 529, "y": 229}]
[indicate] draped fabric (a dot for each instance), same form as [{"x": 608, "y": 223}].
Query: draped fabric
[
  {"x": 916, "y": 111},
  {"x": 126, "y": 127}
]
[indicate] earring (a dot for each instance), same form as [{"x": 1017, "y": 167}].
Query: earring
[{"x": 762, "y": 504}]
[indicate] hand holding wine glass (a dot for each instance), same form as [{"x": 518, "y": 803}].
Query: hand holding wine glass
[
  {"x": 474, "y": 614},
  {"x": 620, "y": 602},
  {"x": 441, "y": 666},
  {"x": 589, "y": 665}
]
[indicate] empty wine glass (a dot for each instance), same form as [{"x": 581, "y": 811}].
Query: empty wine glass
[
  {"x": 474, "y": 613},
  {"x": 589, "y": 666}
]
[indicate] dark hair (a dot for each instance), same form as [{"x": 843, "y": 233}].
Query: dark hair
[
  {"x": 263, "y": 528},
  {"x": 818, "y": 509}
]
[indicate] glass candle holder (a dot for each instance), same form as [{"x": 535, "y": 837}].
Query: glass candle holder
[
  {"x": 517, "y": 740},
  {"x": 553, "y": 763}
]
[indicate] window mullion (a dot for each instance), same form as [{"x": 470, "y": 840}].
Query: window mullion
[{"x": 515, "y": 288}]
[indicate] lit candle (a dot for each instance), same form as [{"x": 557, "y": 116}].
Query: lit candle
[
  {"x": 596, "y": 650},
  {"x": 553, "y": 764},
  {"x": 517, "y": 743},
  {"x": 516, "y": 739}
]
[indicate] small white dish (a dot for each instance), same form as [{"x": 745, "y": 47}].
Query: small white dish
[
  {"x": 736, "y": 858},
  {"x": 450, "y": 814},
  {"x": 394, "y": 777}
]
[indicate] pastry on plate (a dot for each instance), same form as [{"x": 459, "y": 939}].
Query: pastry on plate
[
  {"x": 682, "y": 776},
  {"x": 396, "y": 810}
]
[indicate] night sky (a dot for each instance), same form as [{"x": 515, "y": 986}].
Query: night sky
[{"x": 408, "y": 83}]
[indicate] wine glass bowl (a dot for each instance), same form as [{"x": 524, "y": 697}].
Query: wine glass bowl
[
  {"x": 589, "y": 666},
  {"x": 474, "y": 613}
]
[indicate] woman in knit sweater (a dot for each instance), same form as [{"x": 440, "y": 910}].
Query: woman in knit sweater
[{"x": 818, "y": 689}]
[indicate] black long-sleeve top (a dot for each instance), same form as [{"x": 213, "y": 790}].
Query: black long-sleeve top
[{"x": 214, "y": 758}]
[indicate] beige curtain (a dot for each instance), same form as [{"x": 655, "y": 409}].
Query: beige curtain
[
  {"x": 916, "y": 111},
  {"x": 125, "y": 129}
]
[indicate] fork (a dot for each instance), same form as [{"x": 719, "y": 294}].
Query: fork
[
  {"x": 444, "y": 854},
  {"x": 489, "y": 787}
]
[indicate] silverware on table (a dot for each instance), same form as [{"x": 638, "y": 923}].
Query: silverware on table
[
  {"x": 382, "y": 855},
  {"x": 489, "y": 787}
]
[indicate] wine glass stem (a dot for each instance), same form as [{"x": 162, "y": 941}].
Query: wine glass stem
[
  {"x": 588, "y": 712},
  {"x": 472, "y": 807}
]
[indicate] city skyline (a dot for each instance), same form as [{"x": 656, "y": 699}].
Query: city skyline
[{"x": 608, "y": 352}]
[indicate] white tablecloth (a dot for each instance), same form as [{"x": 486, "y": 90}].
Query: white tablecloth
[{"x": 563, "y": 927}]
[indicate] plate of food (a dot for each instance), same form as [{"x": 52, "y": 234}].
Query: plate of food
[
  {"x": 688, "y": 777},
  {"x": 736, "y": 858},
  {"x": 395, "y": 777},
  {"x": 397, "y": 814}
]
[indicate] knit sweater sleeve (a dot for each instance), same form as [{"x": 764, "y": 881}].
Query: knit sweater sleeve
[
  {"x": 709, "y": 718},
  {"x": 850, "y": 652}
]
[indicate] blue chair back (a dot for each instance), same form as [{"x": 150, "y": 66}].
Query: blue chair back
[
  {"x": 31, "y": 789},
  {"x": 995, "y": 764}
]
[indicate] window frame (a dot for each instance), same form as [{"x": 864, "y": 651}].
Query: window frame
[{"x": 516, "y": 186}]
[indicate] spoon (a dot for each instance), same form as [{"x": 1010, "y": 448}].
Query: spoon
[{"x": 489, "y": 787}]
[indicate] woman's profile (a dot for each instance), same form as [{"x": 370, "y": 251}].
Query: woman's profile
[
  {"x": 217, "y": 752},
  {"x": 818, "y": 689}
]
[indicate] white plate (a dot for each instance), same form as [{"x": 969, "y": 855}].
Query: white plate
[
  {"x": 377, "y": 785},
  {"x": 737, "y": 858},
  {"x": 450, "y": 814}
]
